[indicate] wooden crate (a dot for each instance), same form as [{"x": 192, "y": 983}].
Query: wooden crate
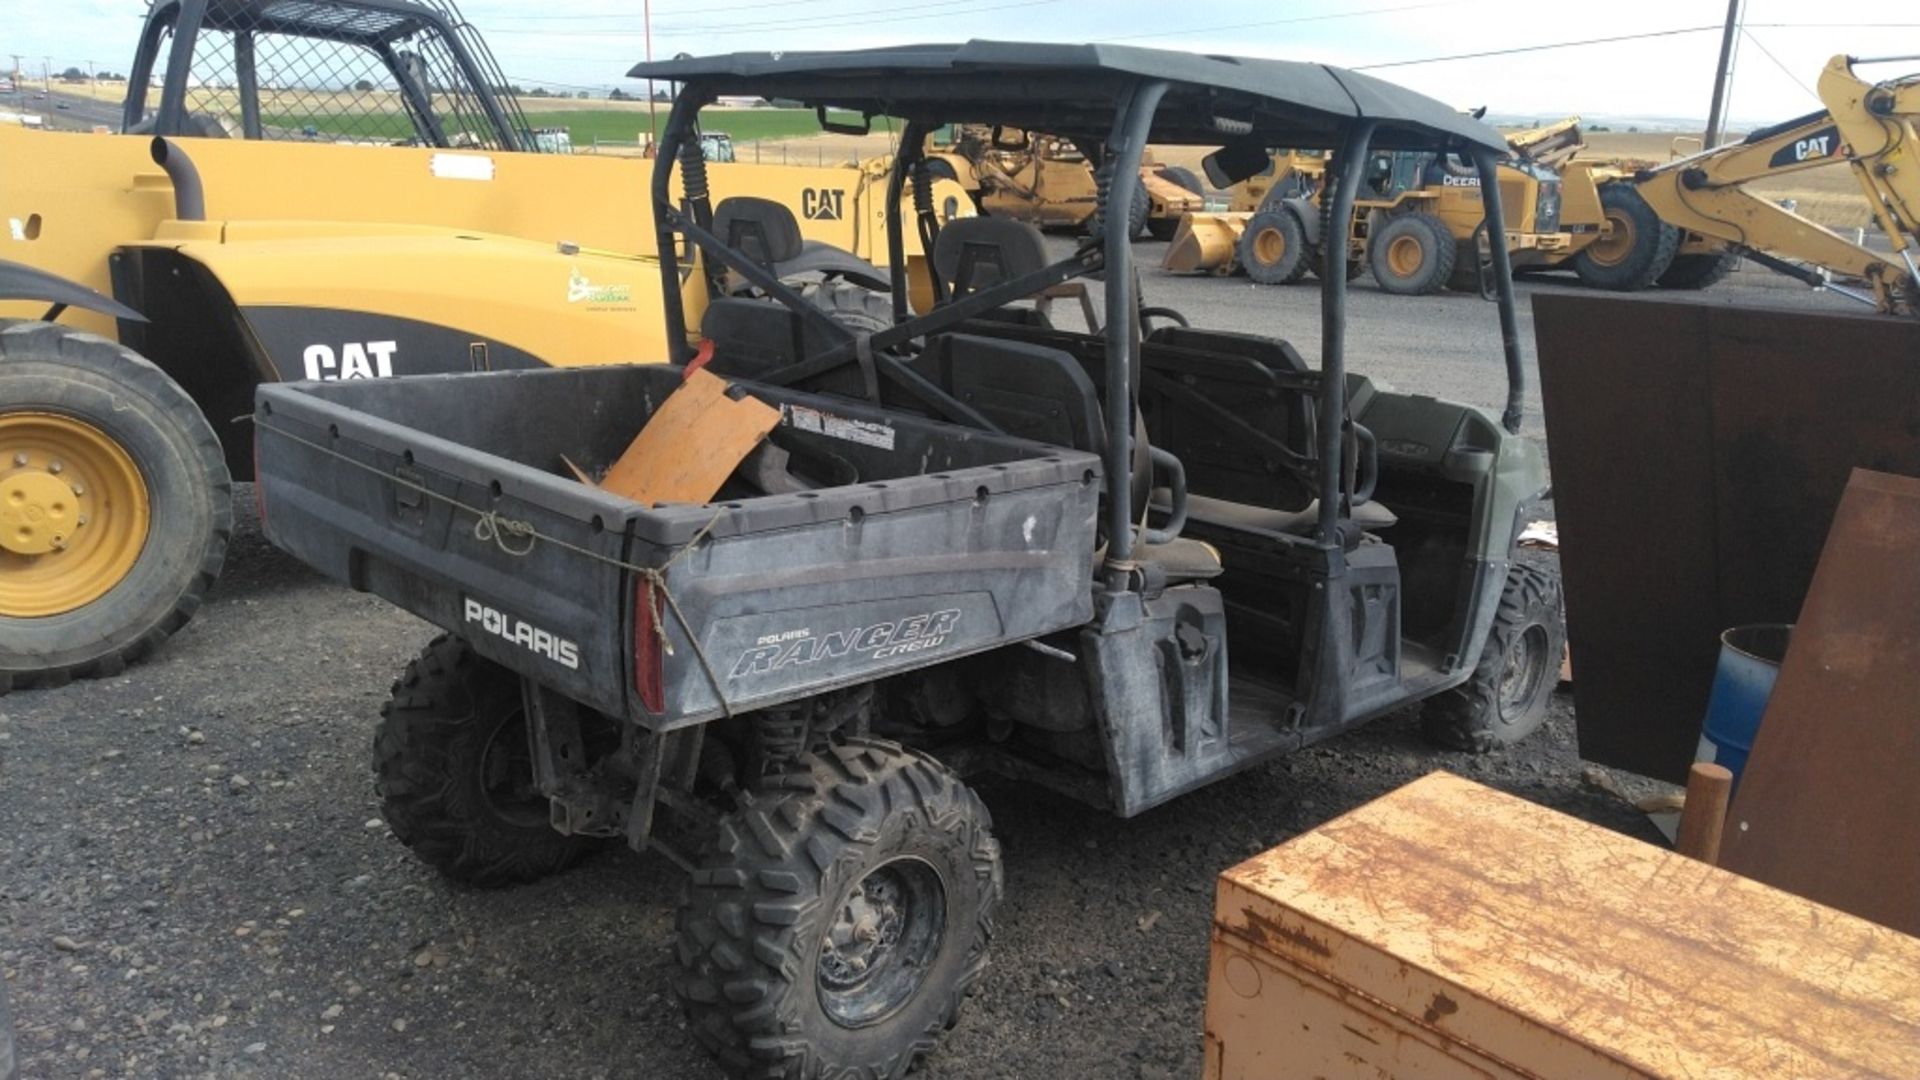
[{"x": 1447, "y": 930}]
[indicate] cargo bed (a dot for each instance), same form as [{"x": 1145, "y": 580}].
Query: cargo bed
[{"x": 451, "y": 497}]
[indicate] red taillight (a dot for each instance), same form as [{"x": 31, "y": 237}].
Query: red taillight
[{"x": 649, "y": 680}]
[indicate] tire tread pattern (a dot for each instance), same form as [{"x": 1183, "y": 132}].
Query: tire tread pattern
[
  {"x": 742, "y": 958},
  {"x": 1467, "y": 717},
  {"x": 25, "y": 339}
]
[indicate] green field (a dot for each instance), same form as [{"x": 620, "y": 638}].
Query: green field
[{"x": 583, "y": 125}]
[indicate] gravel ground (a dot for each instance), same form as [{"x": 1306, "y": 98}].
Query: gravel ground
[{"x": 198, "y": 884}]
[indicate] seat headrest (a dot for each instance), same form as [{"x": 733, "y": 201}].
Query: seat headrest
[
  {"x": 975, "y": 253},
  {"x": 761, "y": 229}
]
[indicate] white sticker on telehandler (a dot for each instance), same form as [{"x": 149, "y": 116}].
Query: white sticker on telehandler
[{"x": 462, "y": 166}]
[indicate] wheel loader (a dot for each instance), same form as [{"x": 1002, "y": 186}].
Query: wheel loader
[
  {"x": 1417, "y": 224},
  {"x": 1121, "y": 564},
  {"x": 1871, "y": 127},
  {"x": 1052, "y": 182},
  {"x": 249, "y": 227}
]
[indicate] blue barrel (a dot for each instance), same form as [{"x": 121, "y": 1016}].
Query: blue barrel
[{"x": 1749, "y": 662}]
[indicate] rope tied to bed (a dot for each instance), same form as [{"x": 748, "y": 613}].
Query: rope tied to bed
[{"x": 518, "y": 538}]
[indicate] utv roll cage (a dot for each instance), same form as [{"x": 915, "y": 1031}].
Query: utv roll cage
[{"x": 1115, "y": 97}]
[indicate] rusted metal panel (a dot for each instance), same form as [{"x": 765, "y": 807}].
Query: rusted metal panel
[
  {"x": 1828, "y": 806},
  {"x": 1450, "y": 930},
  {"x": 1697, "y": 452}
]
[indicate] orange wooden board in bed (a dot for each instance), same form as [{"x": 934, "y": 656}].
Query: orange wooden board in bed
[{"x": 692, "y": 444}]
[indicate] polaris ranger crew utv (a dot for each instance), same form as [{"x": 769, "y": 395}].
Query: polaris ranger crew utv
[{"x": 975, "y": 542}]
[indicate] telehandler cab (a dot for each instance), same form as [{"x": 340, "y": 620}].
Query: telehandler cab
[
  {"x": 974, "y": 543},
  {"x": 319, "y": 189}
]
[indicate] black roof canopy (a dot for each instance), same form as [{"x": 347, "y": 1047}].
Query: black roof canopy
[{"x": 1072, "y": 90}]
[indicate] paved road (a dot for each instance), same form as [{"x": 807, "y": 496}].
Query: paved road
[{"x": 196, "y": 881}]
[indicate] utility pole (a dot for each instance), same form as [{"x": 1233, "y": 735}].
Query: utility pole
[
  {"x": 93, "y": 81},
  {"x": 1722, "y": 75},
  {"x": 16, "y": 73},
  {"x": 46, "y": 73},
  {"x": 646, "y": 23}
]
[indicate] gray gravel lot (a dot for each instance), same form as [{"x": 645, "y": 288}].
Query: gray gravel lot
[{"x": 196, "y": 881}]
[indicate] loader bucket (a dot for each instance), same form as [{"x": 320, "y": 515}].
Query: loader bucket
[{"x": 1206, "y": 241}]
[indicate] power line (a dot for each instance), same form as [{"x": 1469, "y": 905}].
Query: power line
[
  {"x": 1286, "y": 22},
  {"x": 1536, "y": 48},
  {"x": 1784, "y": 69}
]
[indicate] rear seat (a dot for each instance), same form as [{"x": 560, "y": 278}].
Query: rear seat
[{"x": 1245, "y": 517}]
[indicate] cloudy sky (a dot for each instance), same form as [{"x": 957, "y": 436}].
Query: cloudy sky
[{"x": 590, "y": 43}]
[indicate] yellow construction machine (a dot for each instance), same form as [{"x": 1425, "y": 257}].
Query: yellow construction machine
[
  {"x": 1050, "y": 181},
  {"x": 1418, "y": 223},
  {"x": 248, "y": 228},
  {"x": 1872, "y": 128}
]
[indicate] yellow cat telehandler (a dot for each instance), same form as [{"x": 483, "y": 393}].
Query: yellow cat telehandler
[{"x": 314, "y": 189}]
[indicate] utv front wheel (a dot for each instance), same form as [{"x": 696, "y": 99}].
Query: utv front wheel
[
  {"x": 841, "y": 917},
  {"x": 1506, "y": 699},
  {"x": 455, "y": 774}
]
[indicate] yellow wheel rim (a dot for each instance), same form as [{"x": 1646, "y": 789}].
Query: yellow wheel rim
[
  {"x": 74, "y": 513},
  {"x": 1270, "y": 246},
  {"x": 1404, "y": 256},
  {"x": 1615, "y": 246}
]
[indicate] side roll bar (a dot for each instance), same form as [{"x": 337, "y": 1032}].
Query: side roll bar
[
  {"x": 1332, "y": 420},
  {"x": 1488, "y": 166},
  {"x": 1126, "y": 144}
]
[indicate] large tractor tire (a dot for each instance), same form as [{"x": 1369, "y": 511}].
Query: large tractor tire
[
  {"x": 841, "y": 918},
  {"x": 1412, "y": 254},
  {"x": 115, "y": 506},
  {"x": 454, "y": 772},
  {"x": 1699, "y": 271},
  {"x": 1638, "y": 250},
  {"x": 1273, "y": 248},
  {"x": 1506, "y": 699}
]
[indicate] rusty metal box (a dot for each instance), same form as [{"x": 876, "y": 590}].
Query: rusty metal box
[{"x": 1447, "y": 930}]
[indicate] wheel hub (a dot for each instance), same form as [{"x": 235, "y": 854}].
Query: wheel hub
[
  {"x": 74, "y": 514},
  {"x": 38, "y": 512},
  {"x": 1404, "y": 255},
  {"x": 868, "y": 927},
  {"x": 1615, "y": 244},
  {"x": 875, "y": 954},
  {"x": 1525, "y": 668},
  {"x": 1270, "y": 245}
]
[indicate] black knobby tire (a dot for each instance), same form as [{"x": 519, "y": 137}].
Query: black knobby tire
[
  {"x": 1185, "y": 177},
  {"x": 1640, "y": 249},
  {"x": 1273, "y": 247},
  {"x": 56, "y": 370},
  {"x": 1699, "y": 271},
  {"x": 767, "y": 989},
  {"x": 853, "y": 306},
  {"x": 455, "y": 775},
  {"x": 1507, "y": 696},
  {"x": 1412, "y": 254}
]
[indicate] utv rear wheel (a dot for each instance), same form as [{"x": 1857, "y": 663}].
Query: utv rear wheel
[
  {"x": 114, "y": 505},
  {"x": 454, "y": 772},
  {"x": 841, "y": 917},
  {"x": 1273, "y": 247},
  {"x": 1638, "y": 248},
  {"x": 1506, "y": 699},
  {"x": 1412, "y": 254}
]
